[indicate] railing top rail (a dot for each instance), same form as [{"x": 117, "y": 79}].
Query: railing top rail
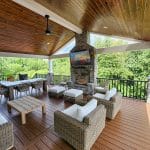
[{"x": 123, "y": 79}]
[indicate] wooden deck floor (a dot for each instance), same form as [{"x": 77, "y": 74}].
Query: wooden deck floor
[{"x": 130, "y": 130}]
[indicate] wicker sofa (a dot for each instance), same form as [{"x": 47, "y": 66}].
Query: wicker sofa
[
  {"x": 6, "y": 134},
  {"x": 112, "y": 106},
  {"x": 81, "y": 135}
]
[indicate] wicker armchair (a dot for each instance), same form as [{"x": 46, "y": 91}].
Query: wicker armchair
[
  {"x": 112, "y": 106},
  {"x": 81, "y": 135},
  {"x": 6, "y": 134}
]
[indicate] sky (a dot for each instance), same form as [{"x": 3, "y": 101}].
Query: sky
[{"x": 67, "y": 47}]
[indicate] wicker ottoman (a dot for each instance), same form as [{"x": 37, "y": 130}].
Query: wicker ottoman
[
  {"x": 72, "y": 95},
  {"x": 56, "y": 91},
  {"x": 6, "y": 134}
]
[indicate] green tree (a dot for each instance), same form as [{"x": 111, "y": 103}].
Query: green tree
[{"x": 61, "y": 66}]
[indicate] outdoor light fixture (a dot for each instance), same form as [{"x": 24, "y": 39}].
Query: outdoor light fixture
[{"x": 105, "y": 27}]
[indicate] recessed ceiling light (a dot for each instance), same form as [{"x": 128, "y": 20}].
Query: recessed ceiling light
[
  {"x": 48, "y": 43},
  {"x": 105, "y": 27}
]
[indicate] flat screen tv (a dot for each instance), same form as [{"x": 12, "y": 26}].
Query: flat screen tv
[{"x": 80, "y": 58}]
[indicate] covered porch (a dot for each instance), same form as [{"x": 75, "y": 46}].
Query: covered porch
[{"x": 40, "y": 29}]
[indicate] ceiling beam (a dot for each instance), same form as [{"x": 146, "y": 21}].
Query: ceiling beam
[
  {"x": 59, "y": 56},
  {"x": 41, "y": 10},
  {"x": 123, "y": 48},
  {"x": 117, "y": 37}
]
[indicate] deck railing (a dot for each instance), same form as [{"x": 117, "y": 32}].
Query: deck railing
[
  {"x": 129, "y": 88},
  {"x": 59, "y": 78},
  {"x": 37, "y": 75}
]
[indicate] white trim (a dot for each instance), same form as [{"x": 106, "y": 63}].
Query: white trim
[
  {"x": 7, "y": 54},
  {"x": 123, "y": 48},
  {"x": 40, "y": 9},
  {"x": 64, "y": 46},
  {"x": 59, "y": 56},
  {"x": 117, "y": 37},
  {"x": 129, "y": 47}
]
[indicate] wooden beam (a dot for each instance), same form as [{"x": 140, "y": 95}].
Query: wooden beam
[
  {"x": 7, "y": 54},
  {"x": 38, "y": 8}
]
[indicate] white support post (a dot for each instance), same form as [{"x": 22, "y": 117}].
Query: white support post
[
  {"x": 50, "y": 65},
  {"x": 148, "y": 90},
  {"x": 96, "y": 68},
  {"x": 50, "y": 74}
]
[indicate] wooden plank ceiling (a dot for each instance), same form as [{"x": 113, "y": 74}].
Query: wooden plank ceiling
[
  {"x": 22, "y": 31},
  {"x": 125, "y": 18}
]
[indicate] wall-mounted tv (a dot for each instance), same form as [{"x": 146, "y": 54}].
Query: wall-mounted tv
[{"x": 80, "y": 58}]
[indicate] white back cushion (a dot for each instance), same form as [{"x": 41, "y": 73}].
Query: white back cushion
[
  {"x": 85, "y": 110},
  {"x": 110, "y": 93},
  {"x": 72, "y": 111},
  {"x": 79, "y": 112}
]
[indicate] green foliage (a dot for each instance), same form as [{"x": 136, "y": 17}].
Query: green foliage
[
  {"x": 61, "y": 66},
  {"x": 108, "y": 42},
  {"x": 113, "y": 66},
  {"x": 138, "y": 62},
  {"x": 11, "y": 66},
  {"x": 122, "y": 65}
]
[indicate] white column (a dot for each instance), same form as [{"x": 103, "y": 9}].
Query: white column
[
  {"x": 96, "y": 67},
  {"x": 50, "y": 65},
  {"x": 148, "y": 90}
]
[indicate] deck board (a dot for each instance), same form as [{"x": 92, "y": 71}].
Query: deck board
[{"x": 130, "y": 130}]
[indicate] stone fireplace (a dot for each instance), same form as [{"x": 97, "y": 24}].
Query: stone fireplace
[
  {"x": 82, "y": 72},
  {"x": 81, "y": 76}
]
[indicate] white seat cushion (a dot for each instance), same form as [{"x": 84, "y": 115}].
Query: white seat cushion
[
  {"x": 73, "y": 92},
  {"x": 79, "y": 112},
  {"x": 2, "y": 120},
  {"x": 99, "y": 96},
  {"x": 57, "y": 89}
]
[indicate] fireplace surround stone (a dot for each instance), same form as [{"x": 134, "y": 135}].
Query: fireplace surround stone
[{"x": 83, "y": 75}]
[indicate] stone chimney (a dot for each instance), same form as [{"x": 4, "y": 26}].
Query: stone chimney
[{"x": 82, "y": 75}]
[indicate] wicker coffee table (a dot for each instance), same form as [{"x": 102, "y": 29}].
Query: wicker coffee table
[{"x": 25, "y": 105}]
